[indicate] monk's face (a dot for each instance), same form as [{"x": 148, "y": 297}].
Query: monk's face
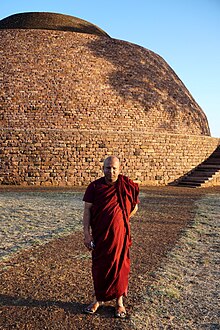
[{"x": 111, "y": 169}]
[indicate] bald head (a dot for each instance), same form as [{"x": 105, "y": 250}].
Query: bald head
[
  {"x": 111, "y": 169},
  {"x": 110, "y": 159}
]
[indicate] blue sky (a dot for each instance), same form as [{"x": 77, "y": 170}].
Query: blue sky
[{"x": 186, "y": 33}]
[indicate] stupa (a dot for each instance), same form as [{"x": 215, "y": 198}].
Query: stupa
[{"x": 70, "y": 95}]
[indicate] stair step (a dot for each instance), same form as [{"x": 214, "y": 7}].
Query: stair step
[
  {"x": 202, "y": 173},
  {"x": 192, "y": 184},
  {"x": 214, "y": 161},
  {"x": 187, "y": 186},
  {"x": 206, "y": 169},
  {"x": 203, "y": 165},
  {"x": 195, "y": 179}
]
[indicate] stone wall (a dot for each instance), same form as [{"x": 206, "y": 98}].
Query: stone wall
[{"x": 71, "y": 157}]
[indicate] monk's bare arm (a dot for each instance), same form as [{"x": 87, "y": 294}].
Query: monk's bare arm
[
  {"x": 134, "y": 211},
  {"x": 86, "y": 224}
]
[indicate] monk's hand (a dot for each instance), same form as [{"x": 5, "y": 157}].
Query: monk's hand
[{"x": 87, "y": 241}]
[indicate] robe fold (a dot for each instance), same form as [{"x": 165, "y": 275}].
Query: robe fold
[{"x": 112, "y": 205}]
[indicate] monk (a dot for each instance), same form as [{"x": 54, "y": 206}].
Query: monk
[{"x": 110, "y": 202}]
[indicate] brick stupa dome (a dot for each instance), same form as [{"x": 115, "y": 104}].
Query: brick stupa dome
[{"x": 81, "y": 78}]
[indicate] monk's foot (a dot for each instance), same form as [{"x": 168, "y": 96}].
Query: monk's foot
[
  {"x": 120, "y": 312},
  {"x": 93, "y": 307}
]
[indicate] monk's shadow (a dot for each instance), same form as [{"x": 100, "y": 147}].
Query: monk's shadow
[{"x": 69, "y": 307}]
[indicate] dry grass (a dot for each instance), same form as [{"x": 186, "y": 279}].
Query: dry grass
[{"x": 185, "y": 292}]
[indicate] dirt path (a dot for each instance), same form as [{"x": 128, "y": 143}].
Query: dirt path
[{"x": 46, "y": 287}]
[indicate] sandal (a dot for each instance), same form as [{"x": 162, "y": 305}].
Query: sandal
[
  {"x": 120, "y": 312},
  {"x": 91, "y": 309}
]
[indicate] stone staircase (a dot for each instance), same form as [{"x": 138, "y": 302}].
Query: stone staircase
[{"x": 203, "y": 173}]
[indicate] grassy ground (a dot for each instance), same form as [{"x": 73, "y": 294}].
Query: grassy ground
[{"x": 174, "y": 280}]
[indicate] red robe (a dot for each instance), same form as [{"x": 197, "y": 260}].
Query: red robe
[{"x": 112, "y": 205}]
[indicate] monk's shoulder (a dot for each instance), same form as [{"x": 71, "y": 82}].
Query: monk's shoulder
[
  {"x": 96, "y": 184},
  {"x": 129, "y": 181}
]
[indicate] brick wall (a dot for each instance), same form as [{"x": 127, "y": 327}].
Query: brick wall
[
  {"x": 56, "y": 79},
  {"x": 72, "y": 157}
]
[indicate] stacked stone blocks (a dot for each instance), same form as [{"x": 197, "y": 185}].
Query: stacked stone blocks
[{"x": 70, "y": 157}]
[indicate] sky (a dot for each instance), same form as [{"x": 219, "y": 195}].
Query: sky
[{"x": 186, "y": 33}]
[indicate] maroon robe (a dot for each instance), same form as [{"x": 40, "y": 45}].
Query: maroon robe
[{"x": 112, "y": 205}]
